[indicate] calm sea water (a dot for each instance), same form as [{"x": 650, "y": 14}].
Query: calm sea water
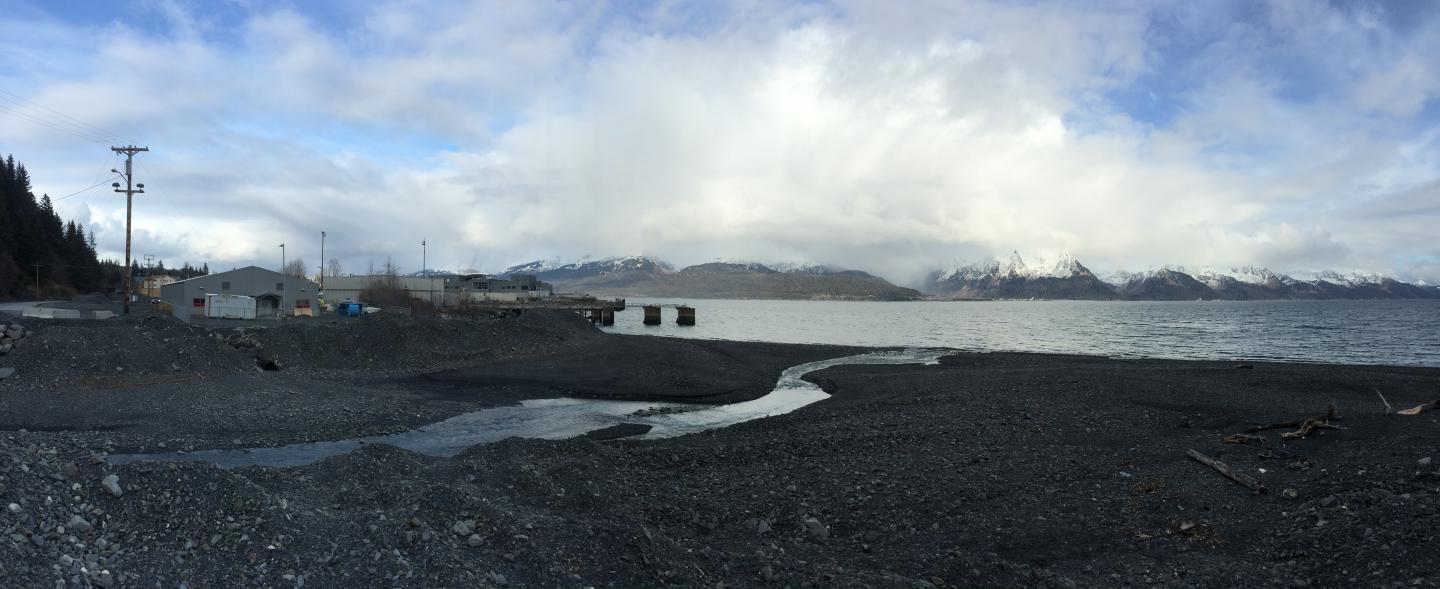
[{"x": 1350, "y": 332}]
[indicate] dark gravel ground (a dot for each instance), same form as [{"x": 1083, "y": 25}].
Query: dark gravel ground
[
  {"x": 152, "y": 383},
  {"x": 986, "y": 470}
]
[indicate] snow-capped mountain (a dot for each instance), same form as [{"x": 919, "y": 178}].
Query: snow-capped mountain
[
  {"x": 1065, "y": 266},
  {"x": 535, "y": 267},
  {"x": 1068, "y": 278},
  {"x": 1163, "y": 284},
  {"x": 649, "y": 276},
  {"x": 552, "y": 271},
  {"x": 1065, "y": 278}
]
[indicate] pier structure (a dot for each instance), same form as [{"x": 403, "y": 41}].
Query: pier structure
[
  {"x": 598, "y": 311},
  {"x": 685, "y": 314}
]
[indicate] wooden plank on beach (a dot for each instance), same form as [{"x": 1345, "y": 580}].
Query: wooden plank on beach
[{"x": 1245, "y": 481}]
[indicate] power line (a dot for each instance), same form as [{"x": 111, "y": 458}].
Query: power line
[
  {"x": 54, "y": 126},
  {"x": 97, "y": 185},
  {"x": 19, "y": 107},
  {"x": 52, "y": 123},
  {"x": 101, "y": 131}
]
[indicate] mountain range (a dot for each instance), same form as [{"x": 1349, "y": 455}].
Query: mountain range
[
  {"x": 640, "y": 276},
  {"x": 1067, "y": 278},
  {"x": 1014, "y": 278}
]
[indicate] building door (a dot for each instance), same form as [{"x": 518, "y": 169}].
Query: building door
[{"x": 267, "y": 306}]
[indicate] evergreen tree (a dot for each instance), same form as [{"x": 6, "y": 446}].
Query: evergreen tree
[{"x": 33, "y": 238}]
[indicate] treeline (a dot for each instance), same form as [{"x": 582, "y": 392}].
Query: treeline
[
  {"x": 183, "y": 272},
  {"x": 36, "y": 243}
]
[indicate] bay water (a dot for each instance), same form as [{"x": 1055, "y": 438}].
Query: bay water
[{"x": 1393, "y": 332}]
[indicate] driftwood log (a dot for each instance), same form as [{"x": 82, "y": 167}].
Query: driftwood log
[
  {"x": 1388, "y": 408},
  {"x": 1220, "y": 467},
  {"x": 1305, "y": 426},
  {"x": 1421, "y": 408}
]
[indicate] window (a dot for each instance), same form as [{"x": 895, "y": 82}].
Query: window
[
  {"x": 302, "y": 303},
  {"x": 524, "y": 288},
  {"x": 225, "y": 285},
  {"x": 279, "y": 286},
  {"x": 198, "y": 302}
]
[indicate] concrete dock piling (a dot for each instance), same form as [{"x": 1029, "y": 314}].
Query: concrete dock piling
[
  {"x": 607, "y": 316},
  {"x": 652, "y": 314},
  {"x": 686, "y": 317}
]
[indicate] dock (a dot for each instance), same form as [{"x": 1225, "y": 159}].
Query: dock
[{"x": 598, "y": 311}]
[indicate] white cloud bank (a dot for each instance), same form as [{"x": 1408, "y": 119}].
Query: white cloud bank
[{"x": 887, "y": 137}]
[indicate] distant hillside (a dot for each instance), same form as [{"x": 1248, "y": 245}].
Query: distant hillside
[
  {"x": 642, "y": 276},
  {"x": 1067, "y": 278}
]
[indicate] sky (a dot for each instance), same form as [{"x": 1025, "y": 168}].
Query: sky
[{"x": 892, "y": 137}]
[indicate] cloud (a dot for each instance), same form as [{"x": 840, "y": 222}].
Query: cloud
[{"x": 853, "y": 133}]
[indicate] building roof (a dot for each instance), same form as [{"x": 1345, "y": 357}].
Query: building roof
[{"x": 214, "y": 274}]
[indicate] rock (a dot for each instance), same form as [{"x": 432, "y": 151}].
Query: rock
[
  {"x": 6, "y": 372},
  {"x": 112, "y": 484},
  {"x": 1289, "y": 493},
  {"x": 474, "y": 541},
  {"x": 815, "y": 528},
  {"x": 1328, "y": 501},
  {"x": 463, "y": 527},
  {"x": 78, "y": 524},
  {"x": 762, "y": 527},
  {"x": 768, "y": 573},
  {"x": 1425, "y": 461}
]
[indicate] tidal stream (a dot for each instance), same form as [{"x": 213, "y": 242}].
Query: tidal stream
[{"x": 555, "y": 419}]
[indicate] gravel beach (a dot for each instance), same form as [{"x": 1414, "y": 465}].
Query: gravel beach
[{"x": 983, "y": 470}]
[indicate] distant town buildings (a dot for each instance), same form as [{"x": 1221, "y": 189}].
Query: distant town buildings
[
  {"x": 149, "y": 286},
  {"x": 276, "y": 294}
]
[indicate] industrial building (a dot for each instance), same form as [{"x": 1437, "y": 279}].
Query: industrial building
[
  {"x": 483, "y": 287},
  {"x": 272, "y": 291},
  {"x": 348, "y": 288},
  {"x": 446, "y": 290}
]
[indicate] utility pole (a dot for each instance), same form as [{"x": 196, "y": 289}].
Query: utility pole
[
  {"x": 37, "y": 282},
  {"x": 284, "y": 282},
  {"x": 322, "y": 264},
  {"x": 130, "y": 192},
  {"x": 431, "y": 292},
  {"x": 146, "y": 285}
]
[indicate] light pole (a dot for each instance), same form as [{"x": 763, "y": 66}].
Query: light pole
[
  {"x": 322, "y": 264},
  {"x": 423, "y": 254},
  {"x": 284, "y": 283}
]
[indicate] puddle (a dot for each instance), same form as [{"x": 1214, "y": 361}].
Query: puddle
[{"x": 555, "y": 419}]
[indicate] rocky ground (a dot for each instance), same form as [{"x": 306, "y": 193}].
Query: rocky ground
[{"x": 985, "y": 470}]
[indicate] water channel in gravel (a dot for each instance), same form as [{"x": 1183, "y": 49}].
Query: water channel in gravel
[{"x": 555, "y": 419}]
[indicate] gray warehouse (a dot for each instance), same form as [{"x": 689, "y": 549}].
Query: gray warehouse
[{"x": 272, "y": 290}]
